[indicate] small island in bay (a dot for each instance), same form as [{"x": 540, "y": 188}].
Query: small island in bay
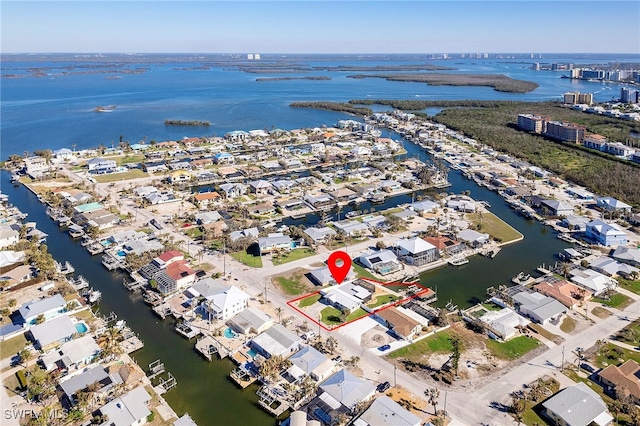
[
  {"x": 499, "y": 82},
  {"x": 169, "y": 122},
  {"x": 321, "y": 77}
]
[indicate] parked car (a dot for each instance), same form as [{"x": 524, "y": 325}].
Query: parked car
[
  {"x": 308, "y": 335},
  {"x": 382, "y": 387},
  {"x": 337, "y": 358},
  {"x": 384, "y": 348}
]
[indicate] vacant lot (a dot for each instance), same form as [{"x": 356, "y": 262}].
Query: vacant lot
[
  {"x": 494, "y": 226},
  {"x": 294, "y": 283}
]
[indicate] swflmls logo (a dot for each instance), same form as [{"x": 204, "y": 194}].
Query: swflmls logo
[{"x": 26, "y": 413}]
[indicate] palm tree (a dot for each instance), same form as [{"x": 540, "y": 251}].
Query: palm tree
[
  {"x": 25, "y": 355},
  {"x": 433, "y": 394},
  {"x": 279, "y": 312}
]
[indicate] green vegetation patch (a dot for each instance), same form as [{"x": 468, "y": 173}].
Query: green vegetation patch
[
  {"x": 13, "y": 345},
  {"x": 498, "y": 82},
  {"x": 633, "y": 286},
  {"x": 128, "y": 159},
  {"x": 545, "y": 333},
  {"x": 293, "y": 255},
  {"x": 491, "y": 224},
  {"x": 362, "y": 272},
  {"x": 247, "y": 259},
  {"x": 601, "y": 313},
  {"x": 611, "y": 354},
  {"x": 308, "y": 301},
  {"x": 439, "y": 342},
  {"x": 331, "y": 316},
  {"x": 114, "y": 177},
  {"x": 568, "y": 325},
  {"x": 194, "y": 232},
  {"x": 382, "y": 299},
  {"x": 616, "y": 300},
  {"x": 513, "y": 348},
  {"x": 291, "y": 286},
  {"x": 358, "y": 313}
]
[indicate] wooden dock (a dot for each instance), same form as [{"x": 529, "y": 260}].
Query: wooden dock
[
  {"x": 242, "y": 377},
  {"x": 208, "y": 346}
]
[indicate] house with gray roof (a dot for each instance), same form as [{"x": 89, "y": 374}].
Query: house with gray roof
[
  {"x": 558, "y": 207},
  {"x": 249, "y": 232},
  {"x": 319, "y": 235},
  {"x": 611, "y": 204},
  {"x": 347, "y": 389},
  {"x": 274, "y": 242},
  {"x": 250, "y": 320},
  {"x": 473, "y": 238},
  {"x": 130, "y": 409},
  {"x": 72, "y": 385},
  {"x": 49, "y": 307},
  {"x": 53, "y": 332},
  {"x": 277, "y": 340},
  {"x": 628, "y": 255},
  {"x": 538, "y": 307},
  {"x": 322, "y": 276},
  {"x": 386, "y": 412},
  {"x": 351, "y": 227},
  {"x": 416, "y": 251},
  {"x": 383, "y": 262},
  {"x": 577, "y": 405},
  {"x": 424, "y": 206},
  {"x": 309, "y": 361},
  {"x": 72, "y": 354}
]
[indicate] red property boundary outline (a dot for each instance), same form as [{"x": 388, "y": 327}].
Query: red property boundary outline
[{"x": 294, "y": 305}]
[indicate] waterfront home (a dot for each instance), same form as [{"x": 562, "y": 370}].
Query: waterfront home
[
  {"x": 97, "y": 375},
  {"x": 323, "y": 277},
  {"x": 154, "y": 166},
  {"x": 581, "y": 194},
  {"x": 375, "y": 222},
  {"x": 36, "y": 166},
  {"x": 473, "y": 238},
  {"x": 64, "y": 154},
  {"x": 250, "y": 320},
  {"x": 180, "y": 176},
  {"x": 591, "y": 280},
  {"x": 10, "y": 257},
  {"x": 16, "y": 276},
  {"x": 100, "y": 166},
  {"x": 89, "y": 207},
  {"x": 129, "y": 409},
  {"x": 445, "y": 245},
  {"x": 223, "y": 158},
  {"x": 143, "y": 191},
  {"x": 462, "y": 204},
  {"x": 399, "y": 323},
  {"x": 310, "y": 362},
  {"x": 233, "y": 190},
  {"x": 174, "y": 277},
  {"x": 344, "y": 391},
  {"x": 262, "y": 209},
  {"x": 538, "y": 307},
  {"x": 319, "y": 201},
  {"x": 351, "y": 227},
  {"x": 274, "y": 242},
  {"x": 205, "y": 199},
  {"x": 628, "y": 255},
  {"x": 141, "y": 246},
  {"x": 52, "y": 333},
  {"x": 167, "y": 258},
  {"x": 343, "y": 194},
  {"x": 383, "y": 262},
  {"x": 557, "y": 207},
  {"x": 72, "y": 355},
  {"x": 577, "y": 405},
  {"x": 389, "y": 185},
  {"x": 365, "y": 190},
  {"x": 346, "y": 297},
  {"x": 49, "y": 307},
  {"x": 625, "y": 376},
  {"x": 565, "y": 292},
  {"x": 283, "y": 186},
  {"x": 424, "y": 206},
  {"x": 8, "y": 235},
  {"x": 610, "y": 267},
  {"x": 226, "y": 302},
  {"x": 75, "y": 198},
  {"x": 319, "y": 235},
  {"x": 575, "y": 223},
  {"x": 384, "y": 411},
  {"x": 179, "y": 165},
  {"x": 416, "y": 251},
  {"x": 276, "y": 340},
  {"x": 610, "y": 204},
  {"x": 606, "y": 234}
]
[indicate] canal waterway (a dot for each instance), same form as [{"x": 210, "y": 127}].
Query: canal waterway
[{"x": 204, "y": 389}]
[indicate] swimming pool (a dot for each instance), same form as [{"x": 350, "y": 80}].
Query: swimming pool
[
  {"x": 229, "y": 334},
  {"x": 252, "y": 353},
  {"x": 81, "y": 328},
  {"x": 122, "y": 253}
]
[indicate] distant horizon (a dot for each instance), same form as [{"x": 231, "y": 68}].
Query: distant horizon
[
  {"x": 244, "y": 53},
  {"x": 321, "y": 27}
]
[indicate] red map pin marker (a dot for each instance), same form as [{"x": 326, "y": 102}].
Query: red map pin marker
[{"x": 339, "y": 272}]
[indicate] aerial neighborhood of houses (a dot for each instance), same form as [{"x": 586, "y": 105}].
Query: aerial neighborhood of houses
[{"x": 230, "y": 236}]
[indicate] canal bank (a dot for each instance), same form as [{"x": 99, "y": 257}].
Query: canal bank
[{"x": 204, "y": 389}]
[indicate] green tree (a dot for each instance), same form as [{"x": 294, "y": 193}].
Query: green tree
[
  {"x": 455, "y": 352},
  {"x": 432, "y": 395}
]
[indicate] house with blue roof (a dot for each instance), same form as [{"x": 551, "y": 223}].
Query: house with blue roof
[
  {"x": 223, "y": 158},
  {"x": 606, "y": 234}
]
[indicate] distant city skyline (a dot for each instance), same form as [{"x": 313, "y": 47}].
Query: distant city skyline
[{"x": 319, "y": 27}]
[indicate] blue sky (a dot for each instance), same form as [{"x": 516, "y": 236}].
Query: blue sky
[{"x": 320, "y": 27}]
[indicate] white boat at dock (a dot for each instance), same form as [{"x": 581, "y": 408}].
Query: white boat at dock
[
  {"x": 110, "y": 262},
  {"x": 65, "y": 268},
  {"x": 15, "y": 178},
  {"x": 458, "y": 261},
  {"x": 79, "y": 283}
]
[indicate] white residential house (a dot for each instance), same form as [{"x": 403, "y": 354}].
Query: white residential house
[
  {"x": 416, "y": 251},
  {"x": 577, "y": 405},
  {"x": 101, "y": 166},
  {"x": 131, "y": 409},
  {"x": 226, "y": 303}
]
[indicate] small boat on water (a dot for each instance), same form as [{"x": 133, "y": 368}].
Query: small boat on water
[
  {"x": 94, "y": 296},
  {"x": 458, "y": 261},
  {"x": 15, "y": 178}
]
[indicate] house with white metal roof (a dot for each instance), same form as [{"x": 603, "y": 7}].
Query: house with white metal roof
[
  {"x": 277, "y": 340},
  {"x": 322, "y": 276},
  {"x": 130, "y": 409},
  {"x": 606, "y": 234},
  {"x": 309, "y": 361},
  {"x": 386, "y": 412},
  {"x": 538, "y": 307},
  {"x": 49, "y": 307},
  {"x": 250, "y": 320},
  {"x": 53, "y": 332},
  {"x": 346, "y": 389},
  {"x": 72, "y": 354},
  {"x": 416, "y": 251},
  {"x": 577, "y": 405}
]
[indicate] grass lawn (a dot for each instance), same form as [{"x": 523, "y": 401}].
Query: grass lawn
[
  {"x": 128, "y": 159},
  {"x": 308, "y": 301},
  {"x": 114, "y": 177},
  {"x": 530, "y": 417},
  {"x": 513, "y": 348},
  {"x": 382, "y": 300},
  {"x": 296, "y": 254},
  {"x": 568, "y": 325},
  {"x": 494, "y": 226},
  {"x": 84, "y": 315},
  {"x": 248, "y": 259},
  {"x": 291, "y": 286},
  {"x": 362, "y": 272},
  {"x": 491, "y": 307},
  {"x": 439, "y": 342},
  {"x": 617, "y": 300},
  {"x": 545, "y": 333},
  {"x": 193, "y": 232},
  {"x": 12, "y": 346},
  {"x": 612, "y": 354},
  {"x": 204, "y": 266},
  {"x": 633, "y": 286},
  {"x": 358, "y": 313},
  {"x": 330, "y": 316}
]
